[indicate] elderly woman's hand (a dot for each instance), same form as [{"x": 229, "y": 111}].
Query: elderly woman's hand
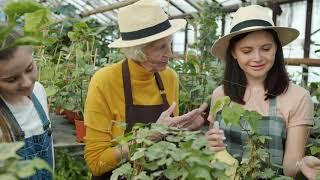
[
  {"x": 309, "y": 166},
  {"x": 191, "y": 120}
]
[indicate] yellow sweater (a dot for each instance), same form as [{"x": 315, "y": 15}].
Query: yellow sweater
[{"x": 105, "y": 105}]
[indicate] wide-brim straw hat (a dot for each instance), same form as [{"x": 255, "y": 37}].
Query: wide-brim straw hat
[
  {"x": 143, "y": 22},
  {"x": 248, "y": 19}
]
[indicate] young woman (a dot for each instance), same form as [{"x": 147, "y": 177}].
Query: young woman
[
  {"x": 255, "y": 77},
  {"x": 23, "y": 105}
]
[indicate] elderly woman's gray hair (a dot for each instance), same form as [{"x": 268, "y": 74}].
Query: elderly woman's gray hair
[{"x": 135, "y": 53}]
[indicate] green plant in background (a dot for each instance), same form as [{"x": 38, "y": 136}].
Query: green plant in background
[
  {"x": 36, "y": 19},
  {"x": 200, "y": 72},
  {"x": 314, "y": 141},
  {"x": 158, "y": 152},
  {"x": 66, "y": 73},
  {"x": 66, "y": 65},
  {"x": 68, "y": 167},
  {"x": 13, "y": 168}
]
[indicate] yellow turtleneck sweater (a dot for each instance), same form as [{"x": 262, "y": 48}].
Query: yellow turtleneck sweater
[{"x": 105, "y": 106}]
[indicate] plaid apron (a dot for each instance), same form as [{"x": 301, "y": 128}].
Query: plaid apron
[
  {"x": 271, "y": 125},
  {"x": 35, "y": 146}
]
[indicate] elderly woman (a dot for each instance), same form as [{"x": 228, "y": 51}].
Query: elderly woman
[{"x": 138, "y": 89}]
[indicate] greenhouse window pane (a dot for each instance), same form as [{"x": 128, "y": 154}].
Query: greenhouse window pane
[{"x": 294, "y": 15}]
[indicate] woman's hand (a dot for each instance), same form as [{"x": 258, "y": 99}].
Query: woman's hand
[
  {"x": 309, "y": 166},
  {"x": 191, "y": 120},
  {"x": 215, "y": 140}
]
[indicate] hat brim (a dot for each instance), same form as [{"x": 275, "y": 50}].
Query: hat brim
[
  {"x": 285, "y": 34},
  {"x": 176, "y": 25}
]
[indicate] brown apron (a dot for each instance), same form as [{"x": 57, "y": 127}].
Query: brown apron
[{"x": 138, "y": 113}]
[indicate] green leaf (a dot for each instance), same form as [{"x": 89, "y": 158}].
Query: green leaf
[
  {"x": 28, "y": 168},
  {"x": 232, "y": 114},
  {"x": 200, "y": 143},
  {"x": 172, "y": 172},
  {"x": 124, "y": 169},
  {"x": 267, "y": 173},
  {"x": 201, "y": 173},
  {"x": 7, "y": 177},
  {"x": 51, "y": 90},
  {"x": 159, "y": 150},
  {"x": 179, "y": 154},
  {"x": 315, "y": 150},
  {"x": 8, "y": 150},
  {"x": 142, "y": 176},
  {"x": 138, "y": 154},
  {"x": 4, "y": 32},
  {"x": 16, "y": 9},
  {"x": 252, "y": 117},
  {"x": 174, "y": 138},
  {"x": 262, "y": 154},
  {"x": 31, "y": 40},
  {"x": 219, "y": 104},
  {"x": 36, "y": 20}
]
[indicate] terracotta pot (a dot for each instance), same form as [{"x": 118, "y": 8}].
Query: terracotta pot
[
  {"x": 80, "y": 130},
  {"x": 71, "y": 116}
]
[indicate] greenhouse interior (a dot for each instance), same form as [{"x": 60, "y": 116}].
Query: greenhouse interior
[{"x": 159, "y": 89}]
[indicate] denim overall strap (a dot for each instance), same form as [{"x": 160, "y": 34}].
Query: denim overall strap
[
  {"x": 41, "y": 113},
  {"x": 39, "y": 146},
  {"x": 16, "y": 133}
]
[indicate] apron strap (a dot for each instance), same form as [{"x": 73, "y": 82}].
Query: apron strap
[
  {"x": 273, "y": 107},
  {"x": 127, "y": 85},
  {"x": 161, "y": 88},
  {"x": 11, "y": 122}
]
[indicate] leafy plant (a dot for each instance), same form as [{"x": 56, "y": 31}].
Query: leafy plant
[
  {"x": 11, "y": 165},
  {"x": 158, "y": 152},
  {"x": 254, "y": 164},
  {"x": 69, "y": 167}
]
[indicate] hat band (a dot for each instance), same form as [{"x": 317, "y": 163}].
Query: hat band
[
  {"x": 142, "y": 33},
  {"x": 250, "y": 23}
]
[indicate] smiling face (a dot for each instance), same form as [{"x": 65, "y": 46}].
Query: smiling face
[
  {"x": 18, "y": 73},
  {"x": 157, "y": 54},
  {"x": 255, "y": 54}
]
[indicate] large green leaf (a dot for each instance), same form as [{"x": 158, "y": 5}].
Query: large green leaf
[
  {"x": 36, "y": 20},
  {"x": 219, "y": 104},
  {"x": 138, "y": 154},
  {"x": 252, "y": 117},
  {"x": 232, "y": 114},
  {"x": 124, "y": 169},
  {"x": 8, "y": 150},
  {"x": 15, "y": 9}
]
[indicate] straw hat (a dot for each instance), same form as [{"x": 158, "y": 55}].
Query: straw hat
[
  {"x": 142, "y": 22},
  {"x": 248, "y": 19}
]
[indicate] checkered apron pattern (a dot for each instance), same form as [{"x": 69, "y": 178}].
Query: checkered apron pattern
[{"x": 270, "y": 125}]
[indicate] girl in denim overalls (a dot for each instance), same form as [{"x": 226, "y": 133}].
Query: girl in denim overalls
[
  {"x": 23, "y": 105},
  {"x": 255, "y": 77}
]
